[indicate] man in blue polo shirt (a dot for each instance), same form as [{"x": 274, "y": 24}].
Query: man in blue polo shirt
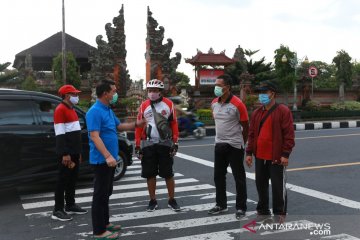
[{"x": 102, "y": 126}]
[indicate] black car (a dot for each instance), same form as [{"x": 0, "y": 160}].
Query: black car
[{"x": 27, "y": 138}]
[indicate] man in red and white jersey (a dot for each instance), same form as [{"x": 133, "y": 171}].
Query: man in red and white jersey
[
  {"x": 154, "y": 145},
  {"x": 68, "y": 149},
  {"x": 231, "y": 125}
]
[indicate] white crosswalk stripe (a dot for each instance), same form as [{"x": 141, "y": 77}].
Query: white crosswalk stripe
[{"x": 130, "y": 198}]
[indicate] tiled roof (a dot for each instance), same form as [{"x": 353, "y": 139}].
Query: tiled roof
[
  {"x": 210, "y": 59},
  {"x": 51, "y": 47}
]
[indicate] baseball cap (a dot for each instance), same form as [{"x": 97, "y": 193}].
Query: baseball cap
[
  {"x": 67, "y": 89},
  {"x": 266, "y": 86}
]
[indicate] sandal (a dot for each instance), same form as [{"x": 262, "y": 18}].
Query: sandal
[
  {"x": 111, "y": 235},
  {"x": 113, "y": 227}
]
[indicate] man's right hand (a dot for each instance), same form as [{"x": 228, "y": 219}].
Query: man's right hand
[
  {"x": 249, "y": 161},
  {"x": 110, "y": 161},
  {"x": 66, "y": 160},
  {"x": 138, "y": 152}
]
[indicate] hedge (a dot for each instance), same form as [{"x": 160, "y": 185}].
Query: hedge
[{"x": 328, "y": 114}]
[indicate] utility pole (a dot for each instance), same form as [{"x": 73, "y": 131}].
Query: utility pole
[{"x": 63, "y": 44}]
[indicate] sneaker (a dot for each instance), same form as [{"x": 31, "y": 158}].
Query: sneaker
[
  {"x": 75, "y": 209},
  {"x": 61, "y": 216},
  {"x": 239, "y": 214},
  {"x": 173, "y": 205},
  {"x": 279, "y": 219},
  {"x": 264, "y": 218},
  {"x": 152, "y": 205},
  {"x": 217, "y": 209}
]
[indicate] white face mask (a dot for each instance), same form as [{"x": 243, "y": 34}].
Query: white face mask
[
  {"x": 153, "y": 96},
  {"x": 74, "y": 100}
]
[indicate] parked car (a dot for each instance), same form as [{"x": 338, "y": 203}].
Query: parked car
[{"x": 27, "y": 138}]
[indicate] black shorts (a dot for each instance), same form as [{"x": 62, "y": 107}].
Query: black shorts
[{"x": 157, "y": 161}]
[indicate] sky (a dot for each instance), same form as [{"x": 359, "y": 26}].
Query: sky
[{"x": 313, "y": 28}]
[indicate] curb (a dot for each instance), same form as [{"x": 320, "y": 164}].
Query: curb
[
  {"x": 326, "y": 125},
  {"x": 210, "y": 131}
]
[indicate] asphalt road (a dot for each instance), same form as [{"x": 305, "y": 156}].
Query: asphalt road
[{"x": 323, "y": 196}]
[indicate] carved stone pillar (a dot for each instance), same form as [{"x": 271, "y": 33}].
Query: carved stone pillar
[{"x": 159, "y": 65}]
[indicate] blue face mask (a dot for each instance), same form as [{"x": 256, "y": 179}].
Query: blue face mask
[
  {"x": 264, "y": 99},
  {"x": 218, "y": 91},
  {"x": 114, "y": 98}
]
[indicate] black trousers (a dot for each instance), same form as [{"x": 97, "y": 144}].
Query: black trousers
[
  {"x": 265, "y": 170},
  {"x": 157, "y": 161},
  {"x": 103, "y": 187},
  {"x": 225, "y": 154},
  {"x": 66, "y": 182}
]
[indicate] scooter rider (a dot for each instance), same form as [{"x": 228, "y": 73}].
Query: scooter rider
[{"x": 156, "y": 151}]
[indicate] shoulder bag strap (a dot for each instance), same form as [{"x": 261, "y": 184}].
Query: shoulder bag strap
[
  {"x": 267, "y": 115},
  {"x": 154, "y": 112}
]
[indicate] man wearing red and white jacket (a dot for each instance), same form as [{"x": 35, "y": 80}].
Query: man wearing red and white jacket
[
  {"x": 68, "y": 149},
  {"x": 156, "y": 152}
]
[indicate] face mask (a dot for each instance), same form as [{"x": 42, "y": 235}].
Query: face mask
[
  {"x": 74, "y": 100},
  {"x": 264, "y": 99},
  {"x": 218, "y": 91},
  {"x": 114, "y": 98},
  {"x": 153, "y": 96}
]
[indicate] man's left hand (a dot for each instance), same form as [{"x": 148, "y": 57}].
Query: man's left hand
[
  {"x": 284, "y": 161},
  {"x": 173, "y": 150}
]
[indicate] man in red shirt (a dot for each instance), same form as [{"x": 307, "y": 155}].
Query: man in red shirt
[
  {"x": 271, "y": 140},
  {"x": 68, "y": 148}
]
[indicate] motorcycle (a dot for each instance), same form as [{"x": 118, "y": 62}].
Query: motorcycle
[{"x": 190, "y": 125}]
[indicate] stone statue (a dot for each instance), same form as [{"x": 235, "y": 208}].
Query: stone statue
[
  {"x": 28, "y": 62},
  {"x": 239, "y": 54}
]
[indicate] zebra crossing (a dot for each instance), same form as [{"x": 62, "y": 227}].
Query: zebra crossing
[{"x": 127, "y": 207}]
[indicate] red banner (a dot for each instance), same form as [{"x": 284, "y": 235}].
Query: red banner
[{"x": 208, "y": 76}]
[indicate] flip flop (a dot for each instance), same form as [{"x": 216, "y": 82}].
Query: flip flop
[
  {"x": 113, "y": 228},
  {"x": 111, "y": 235}
]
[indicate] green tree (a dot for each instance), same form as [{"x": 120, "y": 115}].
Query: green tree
[
  {"x": 181, "y": 80},
  {"x": 356, "y": 70},
  {"x": 284, "y": 71},
  {"x": 258, "y": 70},
  {"x": 326, "y": 75},
  {"x": 6, "y": 75},
  {"x": 72, "y": 73},
  {"x": 29, "y": 84},
  {"x": 343, "y": 72}
]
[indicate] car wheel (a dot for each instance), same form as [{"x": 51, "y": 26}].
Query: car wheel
[{"x": 120, "y": 167}]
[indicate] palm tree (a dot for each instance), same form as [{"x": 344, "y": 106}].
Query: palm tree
[
  {"x": 6, "y": 75},
  {"x": 258, "y": 70}
]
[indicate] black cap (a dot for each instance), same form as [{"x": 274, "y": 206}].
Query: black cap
[{"x": 267, "y": 86}]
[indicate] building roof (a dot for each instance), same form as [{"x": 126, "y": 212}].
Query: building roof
[
  {"x": 210, "y": 58},
  {"x": 50, "y": 48}
]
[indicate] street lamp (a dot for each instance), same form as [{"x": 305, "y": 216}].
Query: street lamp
[{"x": 294, "y": 63}]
